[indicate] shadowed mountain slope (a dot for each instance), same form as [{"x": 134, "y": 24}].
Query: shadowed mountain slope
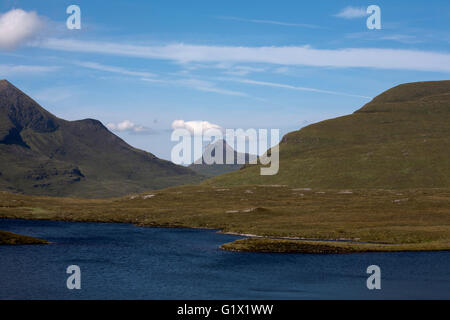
[
  {"x": 401, "y": 139},
  {"x": 44, "y": 155}
]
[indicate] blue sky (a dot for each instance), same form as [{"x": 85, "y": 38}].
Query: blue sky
[{"x": 235, "y": 64}]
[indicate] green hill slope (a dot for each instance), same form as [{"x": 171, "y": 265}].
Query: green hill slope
[
  {"x": 398, "y": 140},
  {"x": 41, "y": 154}
]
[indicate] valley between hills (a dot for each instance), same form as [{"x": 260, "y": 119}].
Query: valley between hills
[{"x": 375, "y": 180}]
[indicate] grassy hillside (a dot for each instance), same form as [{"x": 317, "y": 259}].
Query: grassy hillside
[
  {"x": 398, "y": 140},
  {"x": 44, "y": 155}
]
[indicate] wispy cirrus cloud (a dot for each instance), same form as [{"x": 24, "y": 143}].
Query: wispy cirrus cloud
[
  {"x": 7, "y": 70},
  {"x": 403, "y": 38},
  {"x": 243, "y": 70},
  {"x": 290, "y": 87},
  {"x": 227, "y": 68},
  {"x": 370, "y": 36},
  {"x": 113, "y": 69},
  {"x": 351, "y": 13},
  {"x": 200, "y": 85},
  {"x": 55, "y": 94},
  {"x": 379, "y": 58},
  {"x": 18, "y": 26},
  {"x": 197, "y": 84},
  {"x": 273, "y": 22}
]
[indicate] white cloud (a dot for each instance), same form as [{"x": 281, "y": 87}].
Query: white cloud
[
  {"x": 287, "y": 86},
  {"x": 396, "y": 59},
  {"x": 128, "y": 126},
  {"x": 101, "y": 67},
  {"x": 18, "y": 26},
  {"x": 7, "y": 70},
  {"x": 351, "y": 13},
  {"x": 195, "y": 127}
]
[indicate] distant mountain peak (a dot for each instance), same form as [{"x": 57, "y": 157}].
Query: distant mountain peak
[
  {"x": 238, "y": 159},
  {"x": 43, "y": 154},
  {"x": 210, "y": 152}
]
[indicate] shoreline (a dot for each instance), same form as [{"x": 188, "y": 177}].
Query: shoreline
[
  {"x": 366, "y": 220},
  {"x": 268, "y": 244}
]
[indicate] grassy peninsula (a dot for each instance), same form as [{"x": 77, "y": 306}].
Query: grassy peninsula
[{"x": 9, "y": 238}]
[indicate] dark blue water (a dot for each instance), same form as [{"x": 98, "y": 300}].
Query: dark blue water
[{"x": 121, "y": 261}]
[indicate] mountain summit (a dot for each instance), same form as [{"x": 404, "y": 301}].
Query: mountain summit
[
  {"x": 398, "y": 140},
  {"x": 210, "y": 170},
  {"x": 45, "y": 155}
]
